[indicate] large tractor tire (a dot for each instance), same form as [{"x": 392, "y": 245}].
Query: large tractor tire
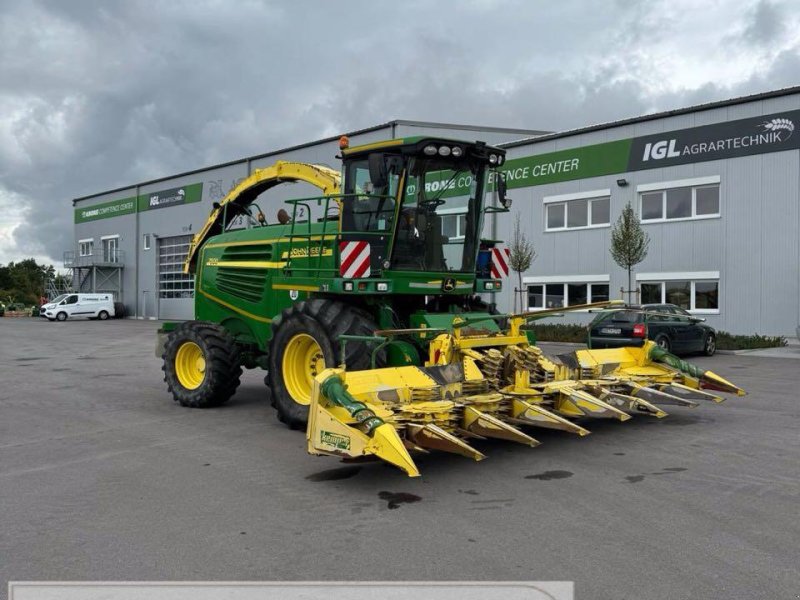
[
  {"x": 304, "y": 343},
  {"x": 202, "y": 365}
]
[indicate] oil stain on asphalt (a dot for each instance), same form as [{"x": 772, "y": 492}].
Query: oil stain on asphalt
[
  {"x": 395, "y": 499},
  {"x": 664, "y": 471},
  {"x": 548, "y": 475}
]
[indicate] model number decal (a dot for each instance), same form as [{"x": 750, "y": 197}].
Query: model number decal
[{"x": 337, "y": 440}]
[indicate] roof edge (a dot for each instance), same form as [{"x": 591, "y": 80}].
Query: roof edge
[
  {"x": 653, "y": 116},
  {"x": 387, "y": 125}
]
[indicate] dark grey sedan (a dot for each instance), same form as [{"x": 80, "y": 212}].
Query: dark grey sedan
[{"x": 669, "y": 326}]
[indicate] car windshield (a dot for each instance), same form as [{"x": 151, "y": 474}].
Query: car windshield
[
  {"x": 58, "y": 298},
  {"x": 440, "y": 216}
]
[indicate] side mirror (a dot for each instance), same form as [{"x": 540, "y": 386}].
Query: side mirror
[
  {"x": 502, "y": 189},
  {"x": 377, "y": 170}
]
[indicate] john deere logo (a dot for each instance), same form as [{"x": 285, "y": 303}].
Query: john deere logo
[{"x": 448, "y": 285}]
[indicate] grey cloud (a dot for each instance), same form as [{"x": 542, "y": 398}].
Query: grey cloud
[
  {"x": 766, "y": 23},
  {"x": 115, "y": 93}
]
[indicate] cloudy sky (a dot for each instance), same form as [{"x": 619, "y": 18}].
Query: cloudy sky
[{"x": 100, "y": 94}]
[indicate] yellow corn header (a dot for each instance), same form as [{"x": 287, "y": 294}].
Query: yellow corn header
[{"x": 476, "y": 386}]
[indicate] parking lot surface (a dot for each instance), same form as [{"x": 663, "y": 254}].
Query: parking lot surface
[{"x": 103, "y": 477}]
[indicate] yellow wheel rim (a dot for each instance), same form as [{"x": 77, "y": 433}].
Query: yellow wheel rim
[
  {"x": 302, "y": 361},
  {"x": 190, "y": 365}
]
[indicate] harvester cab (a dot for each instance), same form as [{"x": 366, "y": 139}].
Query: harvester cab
[{"x": 361, "y": 306}]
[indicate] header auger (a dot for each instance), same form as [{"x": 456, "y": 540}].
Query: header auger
[{"x": 363, "y": 305}]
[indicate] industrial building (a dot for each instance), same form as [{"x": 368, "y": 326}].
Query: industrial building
[{"x": 716, "y": 186}]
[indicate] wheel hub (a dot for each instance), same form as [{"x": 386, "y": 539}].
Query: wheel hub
[
  {"x": 190, "y": 365},
  {"x": 302, "y": 361}
]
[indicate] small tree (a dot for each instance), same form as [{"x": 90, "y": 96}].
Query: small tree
[
  {"x": 629, "y": 242},
  {"x": 522, "y": 254}
]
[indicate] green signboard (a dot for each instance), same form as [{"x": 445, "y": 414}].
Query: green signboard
[
  {"x": 115, "y": 208},
  {"x": 180, "y": 195},
  {"x": 172, "y": 197}
]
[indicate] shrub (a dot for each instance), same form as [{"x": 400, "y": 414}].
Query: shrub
[
  {"x": 728, "y": 341},
  {"x": 559, "y": 332}
]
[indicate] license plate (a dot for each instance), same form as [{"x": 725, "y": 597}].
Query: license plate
[{"x": 611, "y": 330}]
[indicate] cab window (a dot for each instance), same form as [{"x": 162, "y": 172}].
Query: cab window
[
  {"x": 73, "y": 299},
  {"x": 369, "y": 207}
]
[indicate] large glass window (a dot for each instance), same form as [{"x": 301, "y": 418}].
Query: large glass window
[
  {"x": 579, "y": 213},
  {"x": 558, "y": 295},
  {"x": 679, "y": 293},
  {"x": 653, "y": 206},
  {"x": 651, "y": 293},
  {"x": 555, "y": 216},
  {"x": 688, "y": 202},
  {"x": 679, "y": 203},
  {"x": 172, "y": 281},
  {"x": 707, "y": 200},
  {"x": 693, "y": 295}
]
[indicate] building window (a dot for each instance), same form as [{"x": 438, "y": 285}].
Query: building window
[
  {"x": 454, "y": 225},
  {"x": 557, "y": 294},
  {"x": 86, "y": 247},
  {"x": 693, "y": 292},
  {"x": 146, "y": 241},
  {"x": 172, "y": 281},
  {"x": 679, "y": 200},
  {"x": 578, "y": 211}
]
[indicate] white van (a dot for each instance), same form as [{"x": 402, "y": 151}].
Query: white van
[{"x": 93, "y": 306}]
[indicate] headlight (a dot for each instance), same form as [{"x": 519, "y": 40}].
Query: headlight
[
  {"x": 444, "y": 150},
  {"x": 430, "y": 150},
  {"x": 382, "y": 286},
  {"x": 457, "y": 151},
  {"x": 348, "y": 286},
  {"x": 493, "y": 159}
]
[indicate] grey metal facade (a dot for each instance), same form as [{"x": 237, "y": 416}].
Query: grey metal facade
[
  {"x": 748, "y": 253},
  {"x": 752, "y": 248}
]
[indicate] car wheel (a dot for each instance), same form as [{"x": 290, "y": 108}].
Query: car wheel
[
  {"x": 710, "y": 344},
  {"x": 663, "y": 342},
  {"x": 103, "y": 315},
  {"x": 62, "y": 316}
]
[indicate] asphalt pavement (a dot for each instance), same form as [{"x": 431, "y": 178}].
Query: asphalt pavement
[{"x": 103, "y": 477}]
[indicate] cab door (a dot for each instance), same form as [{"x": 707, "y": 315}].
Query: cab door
[{"x": 71, "y": 306}]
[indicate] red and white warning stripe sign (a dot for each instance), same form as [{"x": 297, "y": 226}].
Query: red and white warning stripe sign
[
  {"x": 354, "y": 259},
  {"x": 500, "y": 262}
]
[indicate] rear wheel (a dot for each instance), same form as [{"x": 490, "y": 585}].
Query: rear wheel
[
  {"x": 663, "y": 342},
  {"x": 102, "y": 315},
  {"x": 710, "y": 344},
  {"x": 201, "y": 365},
  {"x": 304, "y": 343}
]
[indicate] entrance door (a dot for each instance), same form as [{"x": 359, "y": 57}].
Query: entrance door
[{"x": 111, "y": 250}]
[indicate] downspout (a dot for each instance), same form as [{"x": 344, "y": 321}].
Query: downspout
[{"x": 136, "y": 259}]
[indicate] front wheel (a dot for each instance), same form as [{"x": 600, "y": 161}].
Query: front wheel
[
  {"x": 201, "y": 365},
  {"x": 62, "y": 316},
  {"x": 305, "y": 342},
  {"x": 710, "y": 344}
]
